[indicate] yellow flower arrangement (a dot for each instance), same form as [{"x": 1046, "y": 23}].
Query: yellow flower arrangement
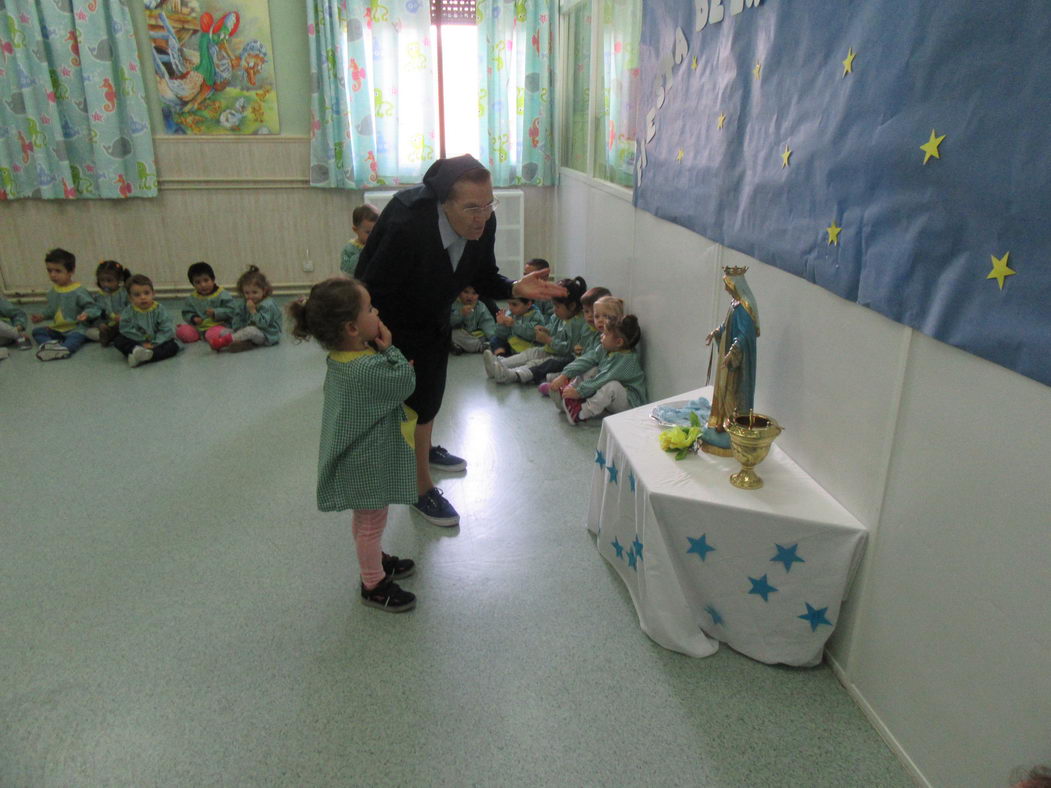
[{"x": 681, "y": 439}]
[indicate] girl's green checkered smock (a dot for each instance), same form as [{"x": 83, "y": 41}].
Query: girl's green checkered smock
[{"x": 364, "y": 461}]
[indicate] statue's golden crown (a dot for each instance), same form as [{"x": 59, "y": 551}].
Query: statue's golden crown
[{"x": 735, "y": 270}]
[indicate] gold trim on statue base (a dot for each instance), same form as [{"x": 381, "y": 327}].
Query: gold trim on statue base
[{"x": 718, "y": 451}]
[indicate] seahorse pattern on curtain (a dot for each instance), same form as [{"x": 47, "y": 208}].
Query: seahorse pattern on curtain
[
  {"x": 516, "y": 96},
  {"x": 373, "y": 108},
  {"x": 73, "y": 120}
]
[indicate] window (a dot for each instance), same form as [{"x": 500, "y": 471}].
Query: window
[
  {"x": 456, "y": 37},
  {"x": 602, "y": 51}
]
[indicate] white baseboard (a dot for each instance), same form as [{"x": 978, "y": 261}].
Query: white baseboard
[{"x": 877, "y": 723}]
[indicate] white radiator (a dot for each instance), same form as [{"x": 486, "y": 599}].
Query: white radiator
[{"x": 510, "y": 227}]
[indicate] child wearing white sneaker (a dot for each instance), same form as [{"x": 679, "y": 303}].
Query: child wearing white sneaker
[
  {"x": 619, "y": 383},
  {"x": 366, "y": 460},
  {"x": 515, "y": 329},
  {"x": 561, "y": 335},
  {"x": 12, "y": 327},
  {"x": 147, "y": 332},
  {"x": 70, "y": 307}
]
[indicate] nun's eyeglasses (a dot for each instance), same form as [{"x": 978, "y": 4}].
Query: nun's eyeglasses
[{"x": 479, "y": 210}]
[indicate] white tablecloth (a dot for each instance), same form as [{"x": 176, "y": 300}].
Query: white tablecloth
[{"x": 764, "y": 571}]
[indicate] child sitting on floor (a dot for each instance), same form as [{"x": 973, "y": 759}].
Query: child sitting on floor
[
  {"x": 362, "y": 220},
  {"x": 515, "y": 331},
  {"x": 257, "y": 319},
  {"x": 586, "y": 364},
  {"x": 112, "y": 297},
  {"x": 208, "y": 310},
  {"x": 545, "y": 307},
  {"x": 12, "y": 327},
  {"x": 146, "y": 331},
  {"x": 564, "y": 332},
  {"x": 473, "y": 326},
  {"x": 619, "y": 383},
  {"x": 70, "y": 307}
]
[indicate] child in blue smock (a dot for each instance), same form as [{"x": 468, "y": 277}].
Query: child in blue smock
[
  {"x": 562, "y": 334},
  {"x": 473, "y": 326},
  {"x": 112, "y": 279},
  {"x": 12, "y": 327},
  {"x": 257, "y": 319},
  {"x": 619, "y": 382},
  {"x": 147, "y": 332},
  {"x": 70, "y": 307}
]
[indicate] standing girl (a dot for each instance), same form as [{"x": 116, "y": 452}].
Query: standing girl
[
  {"x": 112, "y": 297},
  {"x": 366, "y": 460},
  {"x": 257, "y": 319}
]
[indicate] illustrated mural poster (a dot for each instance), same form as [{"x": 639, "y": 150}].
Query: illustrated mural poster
[{"x": 213, "y": 66}]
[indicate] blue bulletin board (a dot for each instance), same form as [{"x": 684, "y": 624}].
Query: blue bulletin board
[{"x": 894, "y": 152}]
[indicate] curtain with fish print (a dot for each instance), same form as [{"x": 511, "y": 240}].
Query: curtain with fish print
[
  {"x": 516, "y": 94},
  {"x": 374, "y": 117},
  {"x": 73, "y": 117}
]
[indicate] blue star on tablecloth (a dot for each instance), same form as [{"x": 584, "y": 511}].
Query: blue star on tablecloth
[
  {"x": 716, "y": 618},
  {"x": 761, "y": 588},
  {"x": 632, "y": 558},
  {"x": 618, "y": 547},
  {"x": 612, "y": 468},
  {"x": 700, "y": 546},
  {"x": 637, "y": 546},
  {"x": 631, "y": 480},
  {"x": 600, "y": 459},
  {"x": 816, "y": 616},
  {"x": 787, "y": 555}
]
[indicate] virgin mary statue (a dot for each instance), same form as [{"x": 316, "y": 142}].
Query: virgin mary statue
[{"x": 733, "y": 355}]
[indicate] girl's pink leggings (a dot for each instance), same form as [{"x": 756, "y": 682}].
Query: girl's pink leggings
[
  {"x": 186, "y": 333},
  {"x": 368, "y": 525}
]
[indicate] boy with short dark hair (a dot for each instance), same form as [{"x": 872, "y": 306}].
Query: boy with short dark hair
[
  {"x": 70, "y": 307},
  {"x": 362, "y": 220}
]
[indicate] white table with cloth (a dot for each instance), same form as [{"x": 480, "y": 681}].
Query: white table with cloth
[{"x": 764, "y": 571}]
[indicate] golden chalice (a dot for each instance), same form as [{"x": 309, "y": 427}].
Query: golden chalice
[{"x": 750, "y": 438}]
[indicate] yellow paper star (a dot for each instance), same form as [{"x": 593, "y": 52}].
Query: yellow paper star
[
  {"x": 1000, "y": 269},
  {"x": 722, "y": 122},
  {"x": 931, "y": 147},
  {"x": 785, "y": 156},
  {"x": 833, "y": 234},
  {"x": 848, "y": 64},
  {"x": 693, "y": 65},
  {"x": 757, "y": 70},
  {"x": 679, "y": 155}
]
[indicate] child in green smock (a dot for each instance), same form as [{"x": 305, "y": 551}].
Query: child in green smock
[{"x": 366, "y": 459}]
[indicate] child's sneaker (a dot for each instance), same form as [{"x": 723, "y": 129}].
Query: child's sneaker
[
  {"x": 238, "y": 347},
  {"x": 440, "y": 459},
  {"x": 221, "y": 341},
  {"x": 572, "y": 407},
  {"x": 543, "y": 388},
  {"x": 434, "y": 508},
  {"x": 52, "y": 351},
  {"x": 502, "y": 374},
  {"x": 24, "y": 343},
  {"x": 398, "y": 568},
  {"x": 139, "y": 355},
  {"x": 388, "y": 596},
  {"x": 489, "y": 362}
]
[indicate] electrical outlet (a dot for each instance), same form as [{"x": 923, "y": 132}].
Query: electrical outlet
[{"x": 308, "y": 266}]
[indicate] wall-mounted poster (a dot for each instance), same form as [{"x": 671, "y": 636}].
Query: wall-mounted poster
[{"x": 213, "y": 66}]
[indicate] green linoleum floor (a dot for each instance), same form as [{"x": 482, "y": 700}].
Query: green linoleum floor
[{"x": 175, "y": 611}]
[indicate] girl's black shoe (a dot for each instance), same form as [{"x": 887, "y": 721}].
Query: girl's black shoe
[
  {"x": 388, "y": 596},
  {"x": 398, "y": 567}
]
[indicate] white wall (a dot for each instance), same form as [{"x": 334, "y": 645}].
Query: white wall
[{"x": 939, "y": 453}]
